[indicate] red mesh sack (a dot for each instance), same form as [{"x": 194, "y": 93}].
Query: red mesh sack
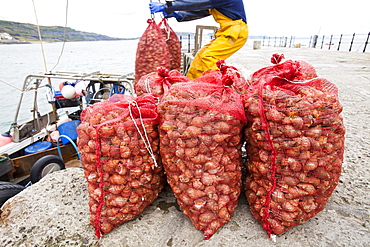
[
  {"x": 159, "y": 82},
  {"x": 291, "y": 70},
  {"x": 152, "y": 51},
  {"x": 225, "y": 75},
  {"x": 173, "y": 43},
  {"x": 200, "y": 132},
  {"x": 119, "y": 146},
  {"x": 295, "y": 146}
]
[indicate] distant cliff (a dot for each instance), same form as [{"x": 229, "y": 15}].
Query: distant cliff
[{"x": 23, "y": 32}]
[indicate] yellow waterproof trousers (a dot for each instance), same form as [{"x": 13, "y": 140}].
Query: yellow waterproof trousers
[{"x": 229, "y": 38}]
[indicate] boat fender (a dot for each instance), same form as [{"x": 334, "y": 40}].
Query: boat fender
[
  {"x": 81, "y": 88},
  {"x": 44, "y": 166},
  {"x": 8, "y": 190},
  {"x": 68, "y": 92},
  {"x": 5, "y": 138}
]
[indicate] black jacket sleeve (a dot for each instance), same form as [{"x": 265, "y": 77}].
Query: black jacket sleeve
[
  {"x": 188, "y": 5},
  {"x": 193, "y": 15}
]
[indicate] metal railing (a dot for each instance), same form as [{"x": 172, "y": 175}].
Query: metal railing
[
  {"x": 343, "y": 42},
  {"x": 194, "y": 44},
  {"x": 197, "y": 40}
]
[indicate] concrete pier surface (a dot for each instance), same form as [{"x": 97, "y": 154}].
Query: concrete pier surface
[{"x": 54, "y": 211}]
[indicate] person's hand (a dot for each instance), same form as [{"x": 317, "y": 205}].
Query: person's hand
[{"x": 156, "y": 7}]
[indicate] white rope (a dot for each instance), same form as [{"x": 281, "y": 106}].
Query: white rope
[
  {"x": 40, "y": 38},
  {"x": 147, "y": 85},
  {"x": 168, "y": 33},
  {"x": 146, "y": 139},
  {"x": 64, "y": 39},
  {"x": 10, "y": 85},
  {"x": 167, "y": 30}
]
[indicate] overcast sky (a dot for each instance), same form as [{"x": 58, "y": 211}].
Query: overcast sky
[{"x": 127, "y": 18}]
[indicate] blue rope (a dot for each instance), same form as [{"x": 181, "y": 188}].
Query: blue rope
[
  {"x": 72, "y": 142},
  {"x": 60, "y": 153}
]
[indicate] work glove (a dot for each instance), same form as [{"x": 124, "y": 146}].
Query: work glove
[
  {"x": 156, "y": 7},
  {"x": 173, "y": 14}
]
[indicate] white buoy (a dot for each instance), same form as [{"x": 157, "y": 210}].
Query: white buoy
[
  {"x": 68, "y": 92},
  {"x": 80, "y": 87}
]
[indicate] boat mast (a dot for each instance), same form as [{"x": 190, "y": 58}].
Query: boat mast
[{"x": 44, "y": 59}]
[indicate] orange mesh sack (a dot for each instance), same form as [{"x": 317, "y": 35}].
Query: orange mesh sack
[
  {"x": 119, "y": 147},
  {"x": 159, "y": 82},
  {"x": 295, "y": 146},
  {"x": 173, "y": 43},
  {"x": 200, "y": 132},
  {"x": 152, "y": 51}
]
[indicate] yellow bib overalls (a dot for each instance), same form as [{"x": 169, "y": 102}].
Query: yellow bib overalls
[{"x": 229, "y": 38}]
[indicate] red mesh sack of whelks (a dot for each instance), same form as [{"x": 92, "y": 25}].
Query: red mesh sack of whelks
[
  {"x": 225, "y": 75},
  {"x": 152, "y": 51},
  {"x": 200, "y": 133},
  {"x": 173, "y": 43},
  {"x": 295, "y": 144},
  {"x": 305, "y": 71},
  {"x": 119, "y": 146},
  {"x": 159, "y": 82}
]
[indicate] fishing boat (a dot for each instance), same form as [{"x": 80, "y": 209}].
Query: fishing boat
[
  {"x": 44, "y": 144},
  {"x": 29, "y": 150}
]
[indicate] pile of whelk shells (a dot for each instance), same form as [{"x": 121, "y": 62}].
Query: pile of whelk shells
[{"x": 294, "y": 136}]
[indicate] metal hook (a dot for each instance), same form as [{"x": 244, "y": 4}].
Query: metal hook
[{"x": 151, "y": 14}]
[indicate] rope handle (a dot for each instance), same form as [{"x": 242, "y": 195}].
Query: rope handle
[
  {"x": 161, "y": 72},
  {"x": 164, "y": 25},
  {"x": 146, "y": 139},
  {"x": 147, "y": 85}
]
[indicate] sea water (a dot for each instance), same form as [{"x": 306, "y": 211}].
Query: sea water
[{"x": 19, "y": 60}]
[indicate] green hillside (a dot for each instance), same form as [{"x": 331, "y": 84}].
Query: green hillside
[{"x": 28, "y": 32}]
